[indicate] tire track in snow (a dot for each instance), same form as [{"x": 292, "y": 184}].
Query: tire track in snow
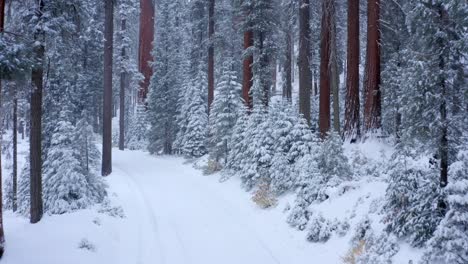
[{"x": 150, "y": 215}]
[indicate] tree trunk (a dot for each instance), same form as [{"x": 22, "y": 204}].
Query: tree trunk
[
  {"x": 211, "y": 30},
  {"x": 247, "y": 78},
  {"x": 35, "y": 144},
  {"x": 287, "y": 85},
  {"x": 123, "y": 84},
  {"x": 107, "y": 106},
  {"x": 305, "y": 79},
  {"x": 145, "y": 46},
  {"x": 352, "y": 125},
  {"x": 324, "y": 108},
  {"x": 2, "y": 235},
  {"x": 372, "y": 105},
  {"x": 334, "y": 74},
  {"x": 15, "y": 150}
]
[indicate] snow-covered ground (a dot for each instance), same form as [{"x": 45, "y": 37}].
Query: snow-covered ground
[{"x": 174, "y": 214}]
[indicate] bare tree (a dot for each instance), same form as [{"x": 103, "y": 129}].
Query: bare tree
[
  {"x": 15, "y": 148},
  {"x": 334, "y": 74},
  {"x": 107, "y": 105},
  {"x": 352, "y": 129},
  {"x": 305, "y": 74}
]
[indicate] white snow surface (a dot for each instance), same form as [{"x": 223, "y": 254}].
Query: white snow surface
[{"x": 176, "y": 215}]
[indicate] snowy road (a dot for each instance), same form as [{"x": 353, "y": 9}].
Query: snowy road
[{"x": 183, "y": 218}]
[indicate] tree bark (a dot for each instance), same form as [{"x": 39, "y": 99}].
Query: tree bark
[
  {"x": 107, "y": 105},
  {"x": 2, "y": 234},
  {"x": 247, "y": 78},
  {"x": 211, "y": 30},
  {"x": 352, "y": 129},
  {"x": 123, "y": 87},
  {"x": 287, "y": 85},
  {"x": 144, "y": 51},
  {"x": 372, "y": 105},
  {"x": 15, "y": 150},
  {"x": 334, "y": 74},
  {"x": 324, "y": 108},
  {"x": 305, "y": 79},
  {"x": 35, "y": 140}
]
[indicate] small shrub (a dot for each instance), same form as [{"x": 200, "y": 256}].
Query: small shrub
[
  {"x": 354, "y": 253},
  {"x": 212, "y": 167},
  {"x": 263, "y": 196},
  {"x": 86, "y": 245}
]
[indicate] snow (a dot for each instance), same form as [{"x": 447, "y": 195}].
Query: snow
[{"x": 174, "y": 214}]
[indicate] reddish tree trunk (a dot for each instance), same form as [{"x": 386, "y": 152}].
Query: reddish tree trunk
[
  {"x": 352, "y": 124},
  {"x": 372, "y": 105},
  {"x": 2, "y": 235},
  {"x": 305, "y": 75},
  {"x": 211, "y": 29},
  {"x": 247, "y": 70},
  {"x": 107, "y": 105},
  {"x": 146, "y": 40},
  {"x": 324, "y": 108}
]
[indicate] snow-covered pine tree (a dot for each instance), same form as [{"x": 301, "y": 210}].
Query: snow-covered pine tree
[
  {"x": 168, "y": 79},
  {"x": 430, "y": 104},
  {"x": 224, "y": 112},
  {"x": 67, "y": 184},
  {"x": 450, "y": 240},
  {"x": 411, "y": 198},
  {"x": 138, "y": 129},
  {"x": 193, "y": 143}
]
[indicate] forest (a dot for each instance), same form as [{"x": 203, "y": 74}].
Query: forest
[{"x": 302, "y": 126}]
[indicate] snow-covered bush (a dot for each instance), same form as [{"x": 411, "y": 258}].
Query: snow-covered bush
[
  {"x": 309, "y": 178},
  {"x": 332, "y": 162},
  {"x": 378, "y": 250},
  {"x": 24, "y": 189},
  {"x": 450, "y": 241},
  {"x": 411, "y": 200},
  {"x": 320, "y": 229}
]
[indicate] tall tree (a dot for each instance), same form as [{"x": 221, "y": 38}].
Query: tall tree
[
  {"x": 211, "y": 31},
  {"x": 334, "y": 74},
  {"x": 2, "y": 236},
  {"x": 35, "y": 138},
  {"x": 145, "y": 40},
  {"x": 107, "y": 105},
  {"x": 352, "y": 125},
  {"x": 123, "y": 87},
  {"x": 324, "y": 108},
  {"x": 372, "y": 104},
  {"x": 305, "y": 74},
  {"x": 247, "y": 77},
  {"x": 15, "y": 147}
]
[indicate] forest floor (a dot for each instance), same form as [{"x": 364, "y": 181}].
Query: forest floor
[{"x": 163, "y": 210}]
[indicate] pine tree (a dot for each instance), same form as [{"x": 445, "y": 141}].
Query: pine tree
[
  {"x": 194, "y": 139},
  {"x": 448, "y": 245},
  {"x": 224, "y": 112}
]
